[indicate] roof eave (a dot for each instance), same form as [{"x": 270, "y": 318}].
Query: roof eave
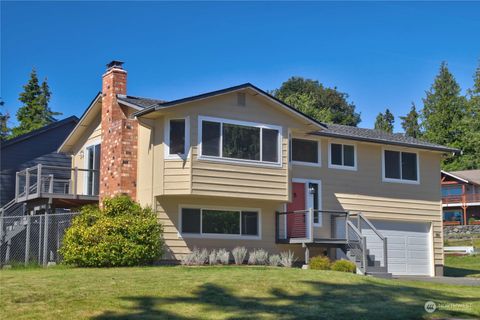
[{"x": 395, "y": 143}]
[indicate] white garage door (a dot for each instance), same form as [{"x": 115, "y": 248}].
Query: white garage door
[{"x": 409, "y": 246}]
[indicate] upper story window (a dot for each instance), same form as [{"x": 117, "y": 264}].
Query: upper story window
[
  {"x": 400, "y": 166},
  {"x": 342, "y": 156},
  {"x": 305, "y": 152},
  {"x": 177, "y": 138},
  {"x": 239, "y": 141}
]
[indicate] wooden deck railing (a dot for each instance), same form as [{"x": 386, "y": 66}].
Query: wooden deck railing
[{"x": 459, "y": 199}]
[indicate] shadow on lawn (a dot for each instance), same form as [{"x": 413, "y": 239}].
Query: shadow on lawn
[
  {"x": 459, "y": 272},
  {"x": 322, "y": 301}
]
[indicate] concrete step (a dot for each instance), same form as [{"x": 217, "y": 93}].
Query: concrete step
[
  {"x": 376, "y": 269},
  {"x": 384, "y": 275}
]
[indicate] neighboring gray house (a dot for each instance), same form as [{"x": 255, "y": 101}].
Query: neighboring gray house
[{"x": 36, "y": 147}]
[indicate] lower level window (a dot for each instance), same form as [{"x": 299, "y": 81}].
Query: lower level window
[{"x": 219, "y": 222}]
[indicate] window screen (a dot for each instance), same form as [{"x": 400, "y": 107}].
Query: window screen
[
  {"x": 210, "y": 138},
  {"x": 191, "y": 220},
  {"x": 250, "y": 223},
  {"x": 269, "y": 145},
  {"x": 392, "y": 164},
  {"x": 409, "y": 166},
  {"x": 348, "y": 156},
  {"x": 336, "y": 154},
  {"x": 177, "y": 136},
  {"x": 304, "y": 150}
]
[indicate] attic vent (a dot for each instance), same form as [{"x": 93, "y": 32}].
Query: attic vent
[{"x": 241, "y": 99}]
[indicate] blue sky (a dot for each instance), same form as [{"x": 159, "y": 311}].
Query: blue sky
[{"x": 381, "y": 54}]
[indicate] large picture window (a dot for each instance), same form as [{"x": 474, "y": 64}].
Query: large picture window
[
  {"x": 305, "y": 151},
  {"x": 400, "y": 166},
  {"x": 218, "y": 222},
  {"x": 237, "y": 140}
]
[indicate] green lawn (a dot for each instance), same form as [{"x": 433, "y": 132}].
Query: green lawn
[
  {"x": 222, "y": 293},
  {"x": 462, "y": 266}
]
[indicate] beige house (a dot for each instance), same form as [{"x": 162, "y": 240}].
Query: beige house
[{"x": 237, "y": 167}]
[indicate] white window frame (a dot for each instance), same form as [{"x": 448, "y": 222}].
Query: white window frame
[
  {"x": 342, "y": 167},
  {"x": 185, "y": 155},
  {"x": 307, "y": 200},
  {"x": 392, "y": 180},
  {"x": 85, "y": 162},
  {"x": 202, "y": 235},
  {"x": 303, "y": 163},
  {"x": 220, "y": 158}
]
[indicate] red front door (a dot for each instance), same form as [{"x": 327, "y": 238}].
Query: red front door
[{"x": 296, "y": 227}]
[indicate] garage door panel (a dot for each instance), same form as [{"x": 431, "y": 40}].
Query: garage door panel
[{"x": 409, "y": 251}]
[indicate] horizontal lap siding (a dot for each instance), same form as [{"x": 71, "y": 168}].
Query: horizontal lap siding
[
  {"x": 177, "y": 177},
  {"x": 241, "y": 181}
]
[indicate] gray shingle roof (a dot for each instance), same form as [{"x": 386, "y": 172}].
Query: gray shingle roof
[
  {"x": 469, "y": 175},
  {"x": 139, "y": 101},
  {"x": 332, "y": 130},
  {"x": 378, "y": 136}
]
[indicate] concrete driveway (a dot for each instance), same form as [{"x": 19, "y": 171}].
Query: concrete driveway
[{"x": 461, "y": 281}]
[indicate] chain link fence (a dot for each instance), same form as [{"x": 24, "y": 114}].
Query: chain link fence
[{"x": 33, "y": 239}]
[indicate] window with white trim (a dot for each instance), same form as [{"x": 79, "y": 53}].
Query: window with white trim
[
  {"x": 305, "y": 151},
  {"x": 204, "y": 221},
  {"x": 400, "y": 166},
  {"x": 342, "y": 156},
  {"x": 238, "y": 140},
  {"x": 177, "y": 138}
]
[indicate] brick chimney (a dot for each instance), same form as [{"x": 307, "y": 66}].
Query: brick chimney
[{"x": 118, "y": 164}]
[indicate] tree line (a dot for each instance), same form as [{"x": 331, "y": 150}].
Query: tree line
[{"x": 447, "y": 117}]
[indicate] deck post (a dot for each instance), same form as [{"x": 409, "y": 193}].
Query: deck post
[
  {"x": 385, "y": 255},
  {"x": 39, "y": 179},
  {"x": 27, "y": 242},
  {"x": 307, "y": 253},
  {"x": 45, "y": 238},
  {"x": 17, "y": 185},
  {"x": 277, "y": 223},
  {"x": 364, "y": 253},
  {"x": 310, "y": 224},
  {"x": 75, "y": 180},
  {"x": 27, "y": 183},
  {"x": 50, "y": 185}
]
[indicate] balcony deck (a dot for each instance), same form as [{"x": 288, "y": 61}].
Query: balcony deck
[{"x": 64, "y": 186}]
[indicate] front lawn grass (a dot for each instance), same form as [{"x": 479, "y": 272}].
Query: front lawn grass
[
  {"x": 462, "y": 266},
  {"x": 223, "y": 293}
]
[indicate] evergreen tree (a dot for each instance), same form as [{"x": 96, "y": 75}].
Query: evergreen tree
[
  {"x": 410, "y": 123},
  {"x": 321, "y": 103},
  {"x": 470, "y": 125},
  {"x": 443, "y": 110},
  {"x": 35, "y": 112},
  {"x": 385, "y": 121}
]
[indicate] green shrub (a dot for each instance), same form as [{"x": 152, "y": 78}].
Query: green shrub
[
  {"x": 320, "y": 263},
  {"x": 344, "y": 266},
  {"x": 120, "y": 234}
]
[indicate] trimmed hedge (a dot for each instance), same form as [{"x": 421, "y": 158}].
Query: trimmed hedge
[
  {"x": 344, "y": 266},
  {"x": 320, "y": 263},
  {"x": 121, "y": 234}
]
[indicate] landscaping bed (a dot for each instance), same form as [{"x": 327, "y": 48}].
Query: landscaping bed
[{"x": 223, "y": 292}]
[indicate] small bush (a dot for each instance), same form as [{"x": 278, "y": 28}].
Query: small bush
[
  {"x": 320, "y": 263},
  {"x": 274, "y": 260},
  {"x": 287, "y": 259},
  {"x": 121, "y": 234},
  {"x": 239, "y": 254},
  {"x": 223, "y": 256},
  {"x": 258, "y": 256},
  {"x": 212, "y": 258},
  {"x": 344, "y": 266}
]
